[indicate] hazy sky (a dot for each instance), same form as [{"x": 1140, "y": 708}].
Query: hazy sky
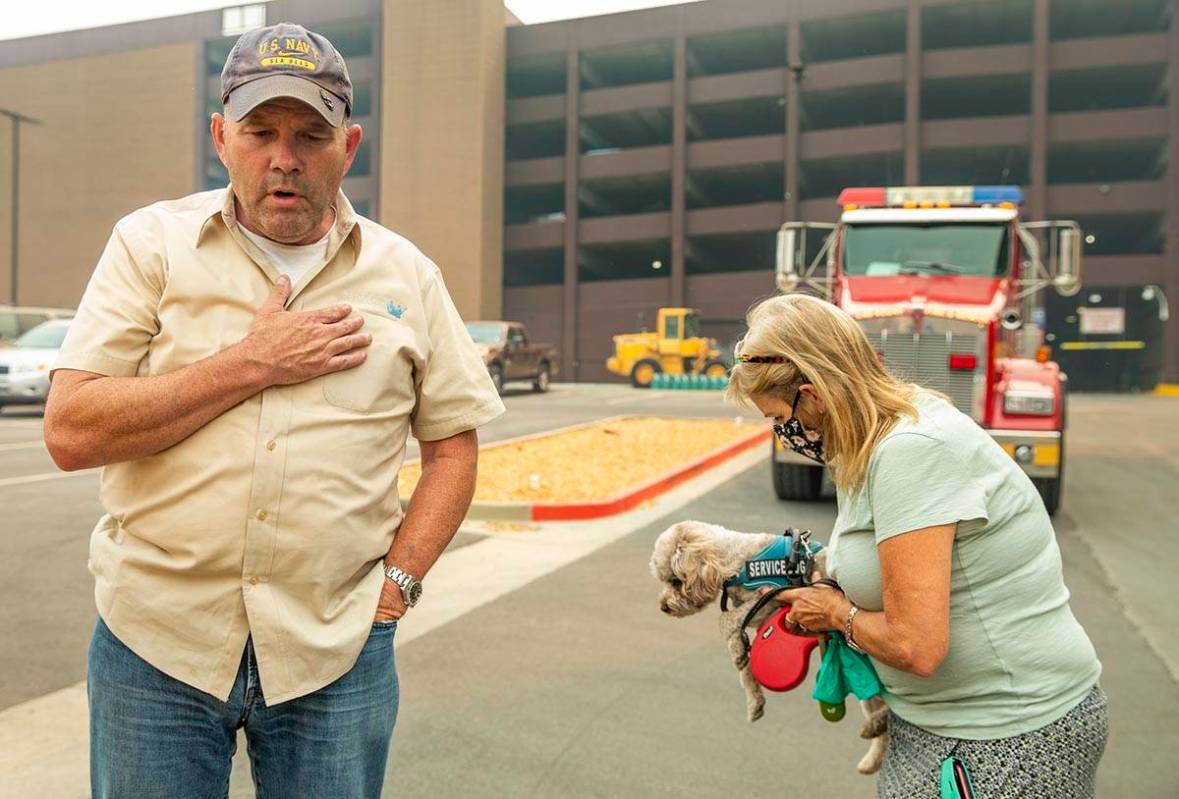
[{"x": 31, "y": 18}]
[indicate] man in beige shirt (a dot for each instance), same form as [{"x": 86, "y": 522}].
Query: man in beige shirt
[{"x": 247, "y": 364}]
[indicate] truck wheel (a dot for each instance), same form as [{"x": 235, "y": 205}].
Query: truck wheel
[
  {"x": 644, "y": 372},
  {"x": 1049, "y": 488},
  {"x": 497, "y": 377},
  {"x": 715, "y": 369},
  {"x": 793, "y": 481},
  {"x": 541, "y": 384}
]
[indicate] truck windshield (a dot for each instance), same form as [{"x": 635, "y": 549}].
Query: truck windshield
[
  {"x": 976, "y": 250},
  {"x": 486, "y": 332}
]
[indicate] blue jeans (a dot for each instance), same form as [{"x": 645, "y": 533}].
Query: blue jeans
[{"x": 154, "y": 736}]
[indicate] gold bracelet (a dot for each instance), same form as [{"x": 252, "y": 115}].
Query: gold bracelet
[{"x": 847, "y": 630}]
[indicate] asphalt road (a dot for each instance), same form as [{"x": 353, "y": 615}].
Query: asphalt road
[
  {"x": 574, "y": 685},
  {"x": 47, "y": 517}
]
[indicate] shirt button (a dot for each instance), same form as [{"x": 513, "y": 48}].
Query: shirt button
[
  {"x": 260, "y": 515},
  {"x": 270, "y": 445},
  {"x": 253, "y": 581}
]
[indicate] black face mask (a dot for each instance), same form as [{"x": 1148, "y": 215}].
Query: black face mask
[{"x": 808, "y": 443}]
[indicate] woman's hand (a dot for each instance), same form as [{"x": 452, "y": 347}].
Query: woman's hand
[{"x": 814, "y": 610}]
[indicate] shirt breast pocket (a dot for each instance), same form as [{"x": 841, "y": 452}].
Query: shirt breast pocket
[{"x": 385, "y": 379}]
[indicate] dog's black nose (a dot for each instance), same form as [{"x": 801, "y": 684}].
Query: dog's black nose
[{"x": 666, "y": 608}]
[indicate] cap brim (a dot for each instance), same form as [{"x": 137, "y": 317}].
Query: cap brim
[{"x": 248, "y": 96}]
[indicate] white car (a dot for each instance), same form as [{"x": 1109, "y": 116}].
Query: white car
[{"x": 24, "y": 367}]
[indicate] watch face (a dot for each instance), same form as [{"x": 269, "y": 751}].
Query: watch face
[{"x": 415, "y": 593}]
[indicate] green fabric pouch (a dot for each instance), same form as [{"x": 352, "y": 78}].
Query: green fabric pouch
[{"x": 845, "y": 671}]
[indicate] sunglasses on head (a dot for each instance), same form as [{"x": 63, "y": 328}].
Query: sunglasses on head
[{"x": 761, "y": 358}]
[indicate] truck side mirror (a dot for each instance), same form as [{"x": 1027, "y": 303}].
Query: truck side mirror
[
  {"x": 786, "y": 264},
  {"x": 1067, "y": 280}
]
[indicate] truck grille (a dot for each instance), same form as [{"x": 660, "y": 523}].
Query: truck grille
[{"x": 924, "y": 359}]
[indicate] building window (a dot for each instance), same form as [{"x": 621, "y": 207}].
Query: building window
[
  {"x": 524, "y": 204},
  {"x": 735, "y": 252},
  {"x": 853, "y": 36},
  {"x": 216, "y": 51},
  {"x": 1076, "y": 19},
  {"x": 949, "y": 26},
  {"x": 624, "y": 260},
  {"x": 1123, "y": 233},
  {"x": 634, "y": 194},
  {"x": 826, "y": 177},
  {"x": 241, "y": 19},
  {"x": 623, "y": 65},
  {"x": 535, "y": 140},
  {"x": 982, "y": 96},
  {"x": 535, "y": 76},
  {"x": 216, "y": 176},
  {"x": 362, "y": 99},
  {"x": 736, "y": 51},
  {"x": 1004, "y": 166},
  {"x": 362, "y": 163},
  {"x": 1108, "y": 88},
  {"x": 354, "y": 39},
  {"x": 1107, "y": 161},
  {"x": 534, "y": 268}
]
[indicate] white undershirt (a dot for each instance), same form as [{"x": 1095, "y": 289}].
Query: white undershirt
[{"x": 293, "y": 260}]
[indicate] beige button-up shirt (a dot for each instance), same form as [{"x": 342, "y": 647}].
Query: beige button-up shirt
[{"x": 272, "y": 520}]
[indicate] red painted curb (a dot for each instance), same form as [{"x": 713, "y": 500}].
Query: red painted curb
[{"x": 660, "y": 485}]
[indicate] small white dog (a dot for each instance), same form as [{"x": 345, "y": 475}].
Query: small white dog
[{"x": 693, "y": 560}]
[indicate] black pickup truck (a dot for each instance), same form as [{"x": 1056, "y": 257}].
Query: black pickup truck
[{"x": 509, "y": 355}]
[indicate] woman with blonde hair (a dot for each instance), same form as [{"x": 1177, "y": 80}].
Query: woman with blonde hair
[{"x": 947, "y": 562}]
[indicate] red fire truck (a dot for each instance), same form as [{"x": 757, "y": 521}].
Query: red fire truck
[{"x": 944, "y": 281}]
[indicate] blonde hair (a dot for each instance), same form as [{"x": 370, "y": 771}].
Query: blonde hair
[{"x": 823, "y": 346}]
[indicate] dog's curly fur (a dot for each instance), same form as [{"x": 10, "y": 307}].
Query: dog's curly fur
[{"x": 692, "y": 560}]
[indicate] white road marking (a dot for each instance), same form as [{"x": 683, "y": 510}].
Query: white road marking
[
  {"x": 44, "y": 742},
  {"x": 39, "y": 478},
  {"x": 21, "y": 445}
]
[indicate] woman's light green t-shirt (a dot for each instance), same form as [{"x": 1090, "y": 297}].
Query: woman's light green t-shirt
[{"x": 1018, "y": 659}]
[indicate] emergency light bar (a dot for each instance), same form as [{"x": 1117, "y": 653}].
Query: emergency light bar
[{"x": 929, "y": 196}]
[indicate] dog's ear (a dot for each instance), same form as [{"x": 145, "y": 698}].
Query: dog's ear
[
  {"x": 663, "y": 556},
  {"x": 687, "y": 538},
  {"x": 707, "y": 578},
  {"x": 700, "y": 560}
]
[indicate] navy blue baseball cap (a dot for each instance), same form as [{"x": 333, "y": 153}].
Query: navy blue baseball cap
[{"x": 286, "y": 60}]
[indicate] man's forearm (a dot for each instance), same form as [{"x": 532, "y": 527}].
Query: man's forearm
[
  {"x": 438, "y": 507},
  {"x": 112, "y": 419}
]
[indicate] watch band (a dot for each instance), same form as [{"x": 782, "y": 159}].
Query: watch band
[
  {"x": 411, "y": 587},
  {"x": 847, "y": 630}
]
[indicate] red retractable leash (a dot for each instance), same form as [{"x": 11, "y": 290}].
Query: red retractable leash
[{"x": 779, "y": 659}]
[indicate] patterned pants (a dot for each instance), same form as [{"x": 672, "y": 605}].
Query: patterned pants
[{"x": 1058, "y": 761}]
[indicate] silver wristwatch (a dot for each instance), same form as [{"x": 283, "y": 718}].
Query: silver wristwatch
[{"x": 411, "y": 587}]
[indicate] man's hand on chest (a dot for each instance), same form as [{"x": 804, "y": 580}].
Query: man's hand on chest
[{"x": 295, "y": 346}]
